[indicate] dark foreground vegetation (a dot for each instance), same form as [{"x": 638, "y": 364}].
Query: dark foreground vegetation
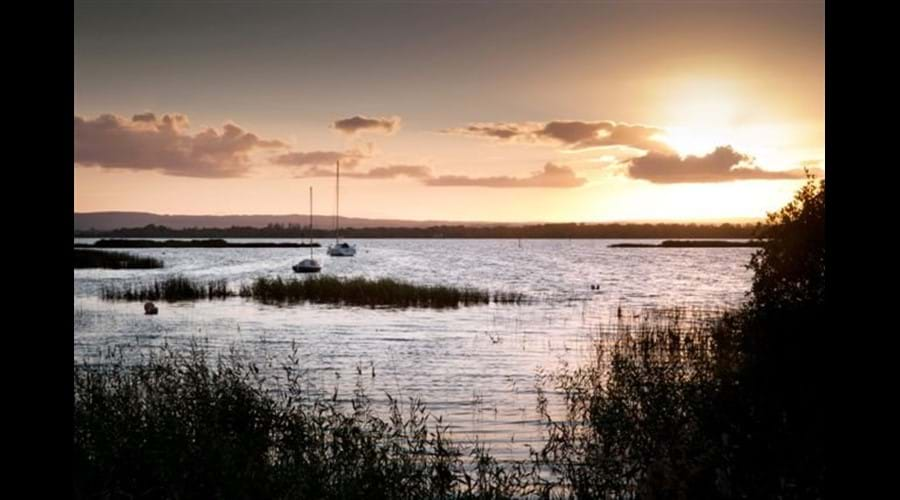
[
  {"x": 365, "y": 292},
  {"x": 87, "y": 259},
  {"x": 728, "y": 406},
  {"x": 217, "y": 243},
  {"x": 691, "y": 244},
  {"x": 564, "y": 231},
  {"x": 179, "y": 426}
]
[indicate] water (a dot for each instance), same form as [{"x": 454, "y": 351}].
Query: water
[{"x": 476, "y": 366}]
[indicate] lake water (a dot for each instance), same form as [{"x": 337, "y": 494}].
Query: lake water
[{"x": 476, "y": 366}]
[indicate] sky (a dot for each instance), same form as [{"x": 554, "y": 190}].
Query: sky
[{"x": 513, "y": 111}]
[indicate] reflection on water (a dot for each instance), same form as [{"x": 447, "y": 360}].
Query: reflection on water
[{"x": 476, "y": 366}]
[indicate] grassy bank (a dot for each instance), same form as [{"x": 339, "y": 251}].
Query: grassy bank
[
  {"x": 88, "y": 259},
  {"x": 173, "y": 289},
  {"x": 370, "y": 293}
]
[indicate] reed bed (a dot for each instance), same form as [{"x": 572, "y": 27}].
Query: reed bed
[
  {"x": 371, "y": 293},
  {"x": 178, "y": 425},
  {"x": 172, "y": 289},
  {"x": 383, "y": 292},
  {"x": 665, "y": 409},
  {"x": 93, "y": 259}
]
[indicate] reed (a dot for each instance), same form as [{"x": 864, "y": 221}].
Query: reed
[
  {"x": 371, "y": 293},
  {"x": 172, "y": 289},
  {"x": 89, "y": 259},
  {"x": 180, "y": 426}
]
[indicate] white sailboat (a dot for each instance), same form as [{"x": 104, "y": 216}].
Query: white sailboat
[
  {"x": 309, "y": 265},
  {"x": 339, "y": 249}
]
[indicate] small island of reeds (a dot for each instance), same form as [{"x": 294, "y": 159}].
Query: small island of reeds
[
  {"x": 382, "y": 292},
  {"x": 691, "y": 244},
  {"x": 210, "y": 243},
  {"x": 371, "y": 293},
  {"x": 172, "y": 289},
  {"x": 92, "y": 259}
]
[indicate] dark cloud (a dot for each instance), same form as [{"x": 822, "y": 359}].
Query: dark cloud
[
  {"x": 348, "y": 159},
  {"x": 390, "y": 172},
  {"x": 552, "y": 176},
  {"x": 632, "y": 136},
  {"x": 412, "y": 171},
  {"x": 357, "y": 123},
  {"x": 573, "y": 134},
  {"x": 498, "y": 130},
  {"x": 148, "y": 142},
  {"x": 722, "y": 165}
]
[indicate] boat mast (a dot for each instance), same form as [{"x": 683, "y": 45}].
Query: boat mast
[
  {"x": 337, "y": 203},
  {"x": 310, "y": 223}
]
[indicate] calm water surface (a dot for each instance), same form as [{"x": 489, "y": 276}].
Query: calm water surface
[{"x": 476, "y": 366}]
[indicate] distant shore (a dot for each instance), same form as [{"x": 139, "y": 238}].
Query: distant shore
[
  {"x": 211, "y": 243},
  {"x": 691, "y": 244},
  {"x": 532, "y": 231}
]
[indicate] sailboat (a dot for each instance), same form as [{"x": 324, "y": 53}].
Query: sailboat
[
  {"x": 339, "y": 249},
  {"x": 309, "y": 265}
]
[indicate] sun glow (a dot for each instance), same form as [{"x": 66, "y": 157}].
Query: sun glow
[
  {"x": 703, "y": 114},
  {"x": 695, "y": 141}
]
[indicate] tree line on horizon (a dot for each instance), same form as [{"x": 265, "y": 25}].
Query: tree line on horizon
[{"x": 539, "y": 231}]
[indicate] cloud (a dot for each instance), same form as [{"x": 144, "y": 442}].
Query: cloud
[
  {"x": 148, "y": 142},
  {"x": 412, "y": 171},
  {"x": 722, "y": 165},
  {"x": 572, "y": 134},
  {"x": 496, "y": 130},
  {"x": 357, "y": 123},
  {"x": 390, "y": 172},
  {"x": 552, "y": 176},
  {"x": 348, "y": 159}
]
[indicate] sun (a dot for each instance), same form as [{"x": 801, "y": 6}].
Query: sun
[
  {"x": 702, "y": 114},
  {"x": 696, "y": 141}
]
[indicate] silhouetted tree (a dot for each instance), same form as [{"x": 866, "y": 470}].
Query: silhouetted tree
[{"x": 789, "y": 270}]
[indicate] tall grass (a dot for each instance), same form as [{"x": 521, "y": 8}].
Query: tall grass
[
  {"x": 638, "y": 414},
  {"x": 370, "y": 293},
  {"x": 87, "y": 259},
  {"x": 318, "y": 289},
  {"x": 179, "y": 426},
  {"x": 666, "y": 408},
  {"x": 172, "y": 289}
]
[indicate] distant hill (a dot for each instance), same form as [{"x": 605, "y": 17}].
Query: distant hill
[{"x": 107, "y": 221}]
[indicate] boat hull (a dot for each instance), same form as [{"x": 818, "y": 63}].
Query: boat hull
[
  {"x": 341, "y": 251},
  {"x": 307, "y": 266}
]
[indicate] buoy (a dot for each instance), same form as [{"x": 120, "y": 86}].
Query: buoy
[{"x": 150, "y": 308}]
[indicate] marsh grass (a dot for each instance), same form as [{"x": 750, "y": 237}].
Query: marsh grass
[
  {"x": 664, "y": 408},
  {"x": 383, "y": 292},
  {"x": 638, "y": 415},
  {"x": 87, "y": 259},
  {"x": 370, "y": 293},
  {"x": 179, "y": 426},
  {"x": 172, "y": 289}
]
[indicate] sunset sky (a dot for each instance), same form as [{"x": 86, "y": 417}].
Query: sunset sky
[{"x": 514, "y": 111}]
